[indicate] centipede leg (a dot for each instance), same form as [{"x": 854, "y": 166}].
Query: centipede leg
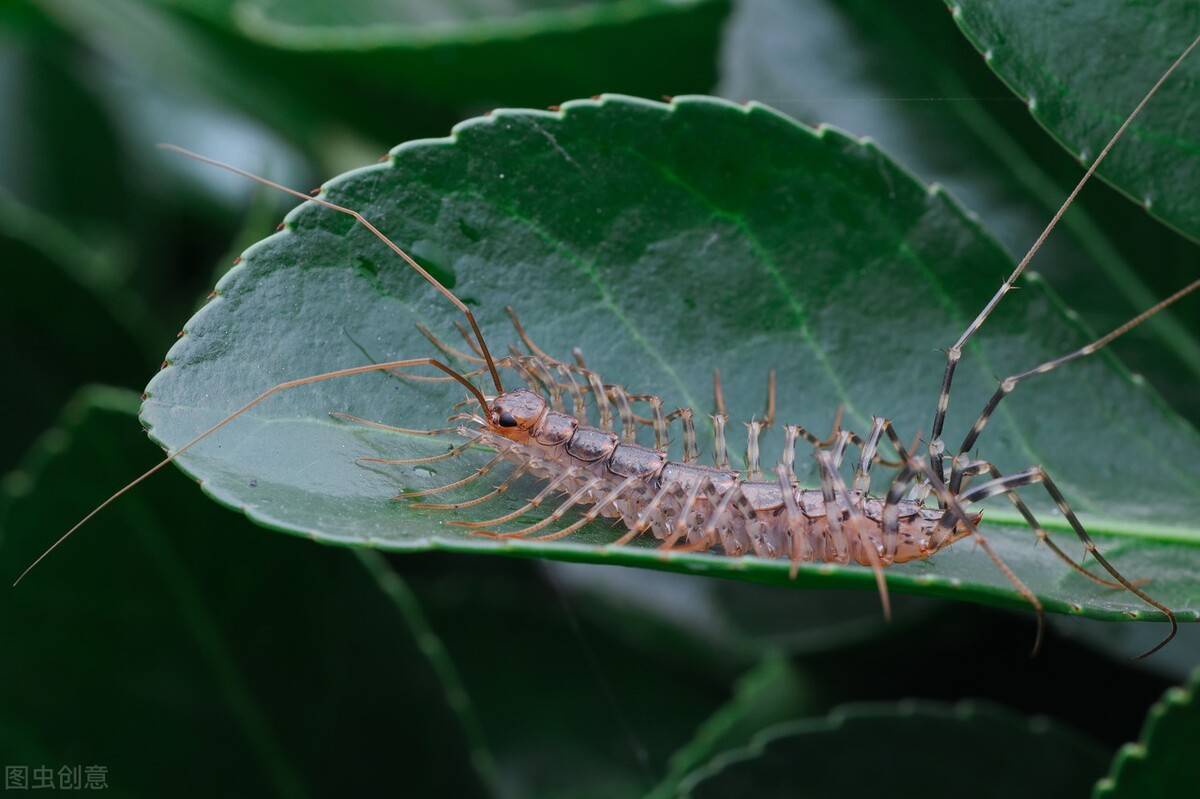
[
  {"x": 454, "y": 452},
  {"x": 1037, "y": 474},
  {"x": 753, "y": 433},
  {"x": 691, "y": 452},
  {"x": 953, "y": 505},
  {"x": 833, "y": 511},
  {"x": 720, "y": 453},
  {"x": 470, "y": 503},
  {"x": 628, "y": 423},
  {"x": 718, "y": 395},
  {"x": 472, "y": 477},
  {"x": 799, "y": 548},
  {"x": 830, "y": 476},
  {"x": 537, "y": 500},
  {"x": 570, "y": 502},
  {"x": 446, "y": 348},
  {"x": 862, "y": 477},
  {"x": 680, "y": 528},
  {"x": 1042, "y": 534},
  {"x": 769, "y": 412},
  {"x": 593, "y": 512},
  {"x": 534, "y": 349},
  {"x": 645, "y": 518},
  {"x": 408, "y": 431}
]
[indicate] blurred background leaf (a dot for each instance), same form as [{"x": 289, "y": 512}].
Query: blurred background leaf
[
  {"x": 1163, "y": 762},
  {"x": 1082, "y": 67},
  {"x": 873, "y": 750}
]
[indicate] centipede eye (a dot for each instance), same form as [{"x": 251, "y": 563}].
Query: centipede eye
[{"x": 506, "y": 419}]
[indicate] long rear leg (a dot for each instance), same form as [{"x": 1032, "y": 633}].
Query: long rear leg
[
  {"x": 954, "y": 353},
  {"x": 1037, "y": 474},
  {"x": 978, "y": 467},
  {"x": 918, "y": 465},
  {"x": 1009, "y": 384}
]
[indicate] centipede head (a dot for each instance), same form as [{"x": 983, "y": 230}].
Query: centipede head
[{"x": 514, "y": 414}]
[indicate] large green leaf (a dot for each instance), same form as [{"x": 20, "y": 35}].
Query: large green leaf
[
  {"x": 194, "y": 655},
  {"x": 1082, "y": 67},
  {"x": 667, "y": 240},
  {"x": 951, "y": 120},
  {"x": 907, "y": 749},
  {"x": 1163, "y": 762}
]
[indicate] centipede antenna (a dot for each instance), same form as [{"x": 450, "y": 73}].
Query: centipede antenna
[
  {"x": 955, "y": 352},
  {"x": 302, "y": 381},
  {"x": 362, "y": 220}
]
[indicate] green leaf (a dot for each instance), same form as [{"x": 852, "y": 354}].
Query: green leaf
[
  {"x": 770, "y": 693},
  {"x": 950, "y": 119},
  {"x": 1163, "y": 762},
  {"x": 665, "y": 241},
  {"x": 728, "y": 626},
  {"x": 192, "y": 654},
  {"x": 567, "y": 707},
  {"x": 1082, "y": 67},
  {"x": 483, "y": 52},
  {"x": 907, "y": 749}
]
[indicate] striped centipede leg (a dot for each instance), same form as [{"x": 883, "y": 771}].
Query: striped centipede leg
[
  {"x": 534, "y": 349},
  {"x": 769, "y": 411},
  {"x": 830, "y": 477},
  {"x": 574, "y": 499},
  {"x": 600, "y": 396},
  {"x": 718, "y": 395},
  {"x": 862, "y": 476},
  {"x": 446, "y": 349},
  {"x": 645, "y": 518},
  {"x": 578, "y": 402},
  {"x": 625, "y": 409},
  {"x": 800, "y": 549},
  {"x": 680, "y": 527},
  {"x": 710, "y": 533},
  {"x": 753, "y": 433},
  {"x": 454, "y": 452},
  {"x": 1036, "y": 526},
  {"x": 1037, "y": 474},
  {"x": 470, "y": 478},
  {"x": 901, "y": 483},
  {"x": 594, "y": 511},
  {"x": 470, "y": 503},
  {"x": 720, "y": 453},
  {"x": 537, "y": 500},
  {"x": 954, "y": 506},
  {"x": 1009, "y": 384},
  {"x": 408, "y": 431},
  {"x": 835, "y": 537},
  {"x": 691, "y": 451}
]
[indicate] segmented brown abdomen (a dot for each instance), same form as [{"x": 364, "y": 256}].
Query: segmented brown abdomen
[{"x": 703, "y": 506}]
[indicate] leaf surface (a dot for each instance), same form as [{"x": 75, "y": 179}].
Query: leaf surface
[
  {"x": 665, "y": 241},
  {"x": 884, "y": 750},
  {"x": 1163, "y": 762},
  {"x": 952, "y": 121},
  {"x": 1082, "y": 67},
  {"x": 487, "y": 51}
]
